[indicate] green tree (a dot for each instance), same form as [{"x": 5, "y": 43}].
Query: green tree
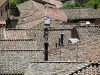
[
  {"x": 70, "y": 4},
  {"x": 13, "y": 3},
  {"x": 92, "y": 2}
]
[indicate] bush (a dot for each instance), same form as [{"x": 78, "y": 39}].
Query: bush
[
  {"x": 77, "y": 4},
  {"x": 13, "y": 3},
  {"x": 70, "y": 4},
  {"x": 92, "y": 2}
]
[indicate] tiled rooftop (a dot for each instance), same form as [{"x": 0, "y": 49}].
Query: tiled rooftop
[
  {"x": 31, "y": 5},
  {"x": 80, "y": 52},
  {"x": 82, "y": 13},
  {"x": 18, "y": 36},
  {"x": 86, "y": 32},
  {"x": 36, "y": 16},
  {"x": 58, "y": 4},
  {"x": 18, "y": 45},
  {"x": 88, "y": 45},
  {"x": 15, "y": 34},
  {"x": 2, "y": 2},
  {"x": 30, "y": 24},
  {"x": 54, "y": 68},
  {"x": 56, "y": 14}
]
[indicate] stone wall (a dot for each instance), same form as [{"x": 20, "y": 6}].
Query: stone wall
[{"x": 18, "y": 61}]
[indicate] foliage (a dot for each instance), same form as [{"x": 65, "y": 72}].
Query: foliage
[
  {"x": 70, "y": 4},
  {"x": 13, "y": 3},
  {"x": 92, "y": 2},
  {"x": 77, "y": 4}
]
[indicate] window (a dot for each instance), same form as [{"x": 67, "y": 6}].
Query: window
[
  {"x": 47, "y": 22},
  {"x": 5, "y": 8},
  {"x": 8, "y": 5},
  {"x": 1, "y": 12}
]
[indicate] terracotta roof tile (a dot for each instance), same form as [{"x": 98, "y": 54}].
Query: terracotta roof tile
[
  {"x": 26, "y": 16},
  {"x": 24, "y": 7},
  {"x": 39, "y": 5},
  {"x": 56, "y": 14},
  {"x": 25, "y": 12},
  {"x": 32, "y": 17},
  {"x": 58, "y": 4},
  {"x": 17, "y": 45},
  {"x": 31, "y": 5},
  {"x": 30, "y": 24},
  {"x": 85, "y": 13},
  {"x": 20, "y": 39},
  {"x": 15, "y": 34}
]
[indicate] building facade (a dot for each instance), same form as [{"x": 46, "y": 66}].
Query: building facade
[
  {"x": 81, "y": 1},
  {"x": 5, "y": 11}
]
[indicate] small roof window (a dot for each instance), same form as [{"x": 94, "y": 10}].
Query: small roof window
[
  {"x": 88, "y": 22},
  {"x": 73, "y": 40},
  {"x": 47, "y": 22}
]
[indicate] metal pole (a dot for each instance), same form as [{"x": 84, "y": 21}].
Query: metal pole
[
  {"x": 46, "y": 44},
  {"x": 46, "y": 51},
  {"x": 77, "y": 52},
  {"x": 62, "y": 39},
  {"x": 59, "y": 41},
  {"x": 56, "y": 45}
]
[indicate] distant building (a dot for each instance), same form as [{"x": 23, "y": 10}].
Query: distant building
[
  {"x": 55, "y": 3},
  {"x": 63, "y": 0},
  {"x": 82, "y": 15},
  {"x": 4, "y": 12},
  {"x": 81, "y": 1}
]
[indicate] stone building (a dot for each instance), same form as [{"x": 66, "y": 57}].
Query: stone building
[
  {"x": 83, "y": 15},
  {"x": 80, "y": 1},
  {"x": 22, "y": 50},
  {"x": 5, "y": 11}
]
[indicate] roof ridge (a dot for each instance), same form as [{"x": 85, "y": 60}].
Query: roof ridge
[
  {"x": 35, "y": 4},
  {"x": 45, "y": 12},
  {"x": 50, "y": 2}
]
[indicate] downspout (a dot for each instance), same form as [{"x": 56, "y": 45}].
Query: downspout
[{"x": 7, "y": 16}]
